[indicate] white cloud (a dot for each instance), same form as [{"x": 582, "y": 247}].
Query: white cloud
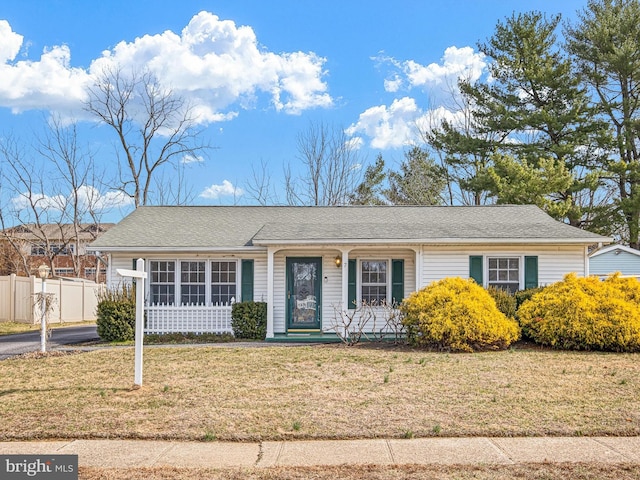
[
  {"x": 456, "y": 63},
  {"x": 10, "y": 44},
  {"x": 214, "y": 64},
  {"x": 400, "y": 124},
  {"x": 89, "y": 197},
  {"x": 192, "y": 159},
  {"x": 101, "y": 202},
  {"x": 225, "y": 190},
  {"x": 393, "y": 84},
  {"x": 436, "y": 78},
  {"x": 49, "y": 83},
  {"x": 40, "y": 201},
  {"x": 389, "y": 127}
]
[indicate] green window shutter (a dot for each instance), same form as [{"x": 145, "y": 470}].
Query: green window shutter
[
  {"x": 475, "y": 268},
  {"x": 530, "y": 272},
  {"x": 247, "y": 280},
  {"x": 397, "y": 281},
  {"x": 352, "y": 294}
]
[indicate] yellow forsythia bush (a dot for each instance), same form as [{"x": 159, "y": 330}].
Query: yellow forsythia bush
[
  {"x": 585, "y": 314},
  {"x": 456, "y": 314}
]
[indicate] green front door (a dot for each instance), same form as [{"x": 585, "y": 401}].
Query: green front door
[{"x": 304, "y": 277}]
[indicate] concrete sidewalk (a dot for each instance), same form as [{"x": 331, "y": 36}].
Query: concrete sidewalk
[{"x": 464, "y": 451}]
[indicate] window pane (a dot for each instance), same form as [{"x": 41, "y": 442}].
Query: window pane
[
  {"x": 374, "y": 281},
  {"x": 504, "y": 273},
  {"x": 162, "y": 287},
  {"x": 223, "y": 282},
  {"x": 192, "y": 284}
]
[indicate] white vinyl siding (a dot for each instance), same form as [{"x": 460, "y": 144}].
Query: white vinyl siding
[{"x": 553, "y": 262}]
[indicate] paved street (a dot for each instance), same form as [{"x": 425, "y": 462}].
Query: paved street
[{"x": 19, "y": 343}]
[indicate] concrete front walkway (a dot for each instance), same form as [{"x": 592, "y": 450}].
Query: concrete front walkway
[{"x": 462, "y": 451}]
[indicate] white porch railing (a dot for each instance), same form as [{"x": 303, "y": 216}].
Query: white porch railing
[{"x": 188, "y": 319}]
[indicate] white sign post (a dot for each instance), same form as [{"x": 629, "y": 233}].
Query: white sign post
[{"x": 139, "y": 274}]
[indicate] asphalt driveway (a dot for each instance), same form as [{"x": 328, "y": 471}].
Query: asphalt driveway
[{"x": 19, "y": 343}]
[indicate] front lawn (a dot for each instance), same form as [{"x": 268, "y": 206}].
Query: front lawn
[{"x": 269, "y": 393}]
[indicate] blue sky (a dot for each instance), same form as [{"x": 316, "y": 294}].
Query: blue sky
[{"x": 260, "y": 71}]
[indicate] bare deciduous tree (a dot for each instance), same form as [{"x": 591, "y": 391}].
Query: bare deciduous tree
[
  {"x": 258, "y": 186},
  {"x": 154, "y": 127},
  {"x": 49, "y": 203},
  {"x": 331, "y": 168}
]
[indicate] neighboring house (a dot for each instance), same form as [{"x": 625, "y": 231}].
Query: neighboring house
[
  {"x": 615, "y": 258},
  {"x": 308, "y": 263},
  {"x": 60, "y": 246}
]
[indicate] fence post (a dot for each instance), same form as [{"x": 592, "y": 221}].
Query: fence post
[{"x": 12, "y": 297}]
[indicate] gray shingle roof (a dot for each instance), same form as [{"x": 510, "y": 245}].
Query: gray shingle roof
[{"x": 200, "y": 228}]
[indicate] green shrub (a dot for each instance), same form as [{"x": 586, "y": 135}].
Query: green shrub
[
  {"x": 585, "y": 314},
  {"x": 456, "y": 314},
  {"x": 116, "y": 314},
  {"x": 249, "y": 320},
  {"x": 522, "y": 296},
  {"x": 505, "y": 302}
]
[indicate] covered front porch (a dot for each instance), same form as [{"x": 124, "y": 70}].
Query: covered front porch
[{"x": 310, "y": 290}]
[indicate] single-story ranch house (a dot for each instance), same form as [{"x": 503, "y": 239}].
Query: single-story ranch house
[{"x": 307, "y": 263}]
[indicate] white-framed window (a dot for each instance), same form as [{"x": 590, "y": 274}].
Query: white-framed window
[
  {"x": 223, "y": 282},
  {"x": 192, "y": 283},
  {"x": 504, "y": 273},
  {"x": 39, "y": 250},
  {"x": 64, "y": 272},
  {"x": 90, "y": 272},
  {"x": 374, "y": 282},
  {"x": 162, "y": 284}
]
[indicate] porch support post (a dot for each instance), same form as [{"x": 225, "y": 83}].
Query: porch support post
[
  {"x": 419, "y": 260},
  {"x": 586, "y": 262},
  {"x": 270, "y": 296},
  {"x": 345, "y": 279}
]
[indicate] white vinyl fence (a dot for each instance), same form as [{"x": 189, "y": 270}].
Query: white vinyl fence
[
  {"x": 73, "y": 301},
  {"x": 188, "y": 318}
]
